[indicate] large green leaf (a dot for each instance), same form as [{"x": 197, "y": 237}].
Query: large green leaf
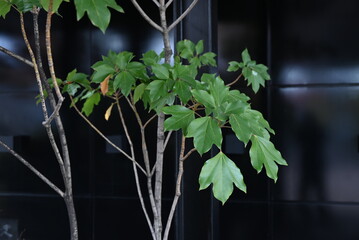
[
  {"x": 124, "y": 81},
  {"x": 204, "y": 98},
  {"x": 248, "y": 123},
  {"x": 183, "y": 90},
  {"x": 157, "y": 89},
  {"x": 5, "y": 7},
  {"x": 97, "y": 11},
  {"x": 205, "y": 132},
  {"x": 223, "y": 173},
  {"x": 263, "y": 152},
  {"x": 218, "y": 90},
  {"x": 180, "y": 119},
  {"x": 90, "y": 103},
  {"x": 102, "y": 70}
]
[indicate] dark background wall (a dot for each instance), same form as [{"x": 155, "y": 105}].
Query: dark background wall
[{"x": 312, "y": 102}]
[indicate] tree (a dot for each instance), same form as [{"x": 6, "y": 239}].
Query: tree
[{"x": 174, "y": 88}]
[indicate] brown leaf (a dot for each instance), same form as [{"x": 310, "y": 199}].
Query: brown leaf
[{"x": 104, "y": 84}]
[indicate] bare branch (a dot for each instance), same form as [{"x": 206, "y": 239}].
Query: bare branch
[
  {"x": 146, "y": 17},
  {"x": 43, "y": 104},
  {"x": 146, "y": 159},
  {"x": 169, "y": 3},
  {"x": 156, "y": 2},
  {"x": 138, "y": 186},
  {"x": 178, "y": 189},
  {"x": 105, "y": 138},
  {"x": 184, "y": 14},
  {"x": 50, "y": 59},
  {"x": 149, "y": 120},
  {"x": 236, "y": 80},
  {"x": 167, "y": 139},
  {"x": 14, "y": 55},
  {"x": 139, "y": 192},
  {"x": 33, "y": 169}
]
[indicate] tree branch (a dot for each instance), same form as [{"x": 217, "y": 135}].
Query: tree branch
[
  {"x": 184, "y": 14},
  {"x": 156, "y": 2},
  {"x": 169, "y": 3},
  {"x": 236, "y": 80},
  {"x": 51, "y": 61},
  {"x": 105, "y": 138},
  {"x": 138, "y": 186},
  {"x": 146, "y": 160},
  {"x": 145, "y": 16},
  {"x": 14, "y": 55},
  {"x": 33, "y": 169},
  {"x": 178, "y": 189}
]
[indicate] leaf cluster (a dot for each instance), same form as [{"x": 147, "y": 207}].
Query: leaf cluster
[{"x": 197, "y": 103}]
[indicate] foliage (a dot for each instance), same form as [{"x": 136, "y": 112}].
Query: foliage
[{"x": 205, "y": 104}]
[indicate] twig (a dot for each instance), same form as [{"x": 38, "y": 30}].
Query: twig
[
  {"x": 105, "y": 138},
  {"x": 50, "y": 59},
  {"x": 146, "y": 158},
  {"x": 139, "y": 192},
  {"x": 43, "y": 104},
  {"x": 14, "y": 55},
  {"x": 146, "y": 17},
  {"x": 167, "y": 139},
  {"x": 156, "y": 2},
  {"x": 169, "y": 3},
  {"x": 138, "y": 186},
  {"x": 236, "y": 80},
  {"x": 184, "y": 14},
  {"x": 149, "y": 120},
  {"x": 33, "y": 169}
]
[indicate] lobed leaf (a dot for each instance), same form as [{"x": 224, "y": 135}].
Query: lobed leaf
[
  {"x": 97, "y": 11},
  {"x": 205, "y": 132},
  {"x": 263, "y": 152},
  {"x": 222, "y": 172}
]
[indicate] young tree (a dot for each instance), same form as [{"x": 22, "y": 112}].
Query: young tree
[{"x": 177, "y": 92}]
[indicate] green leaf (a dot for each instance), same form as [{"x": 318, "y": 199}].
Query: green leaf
[
  {"x": 97, "y": 11},
  {"x": 71, "y": 88},
  {"x": 5, "y": 7},
  {"x": 199, "y": 47},
  {"x": 204, "y": 98},
  {"x": 263, "y": 152},
  {"x": 183, "y": 90},
  {"x": 124, "y": 81},
  {"x": 223, "y": 173},
  {"x": 102, "y": 70},
  {"x": 208, "y": 59},
  {"x": 160, "y": 71},
  {"x": 150, "y": 58},
  {"x": 123, "y": 58},
  {"x": 157, "y": 89},
  {"x": 205, "y": 132},
  {"x": 139, "y": 90},
  {"x": 180, "y": 119},
  {"x": 246, "y": 58},
  {"x": 234, "y": 66},
  {"x": 235, "y": 95},
  {"x": 256, "y": 76},
  {"x": 90, "y": 103},
  {"x": 218, "y": 90},
  {"x": 248, "y": 123},
  {"x": 185, "y": 49},
  {"x": 137, "y": 69}
]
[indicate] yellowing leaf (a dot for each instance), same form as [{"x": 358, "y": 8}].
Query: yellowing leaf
[{"x": 108, "y": 112}]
